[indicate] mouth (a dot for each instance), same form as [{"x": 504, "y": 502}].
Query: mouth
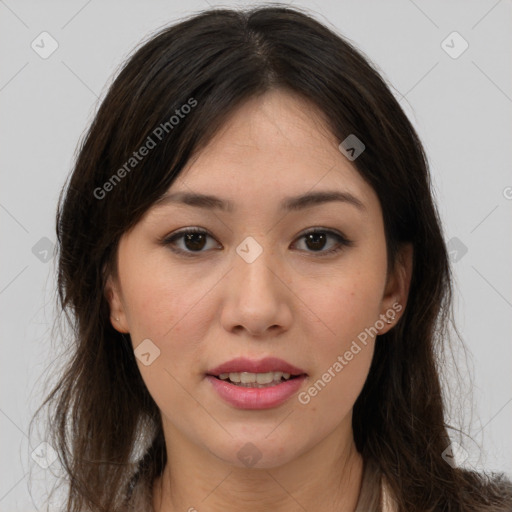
[
  {"x": 256, "y": 380},
  {"x": 252, "y": 373},
  {"x": 256, "y": 384}
]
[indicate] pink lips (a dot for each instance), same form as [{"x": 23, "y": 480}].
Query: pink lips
[
  {"x": 268, "y": 364},
  {"x": 256, "y": 398}
]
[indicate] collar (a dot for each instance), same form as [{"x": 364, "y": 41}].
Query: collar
[{"x": 387, "y": 503}]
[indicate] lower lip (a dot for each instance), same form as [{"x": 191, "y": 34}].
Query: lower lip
[{"x": 256, "y": 398}]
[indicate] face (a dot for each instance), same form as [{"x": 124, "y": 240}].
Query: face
[{"x": 303, "y": 282}]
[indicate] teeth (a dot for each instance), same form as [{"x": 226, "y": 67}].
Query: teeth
[
  {"x": 246, "y": 377},
  {"x": 234, "y": 377},
  {"x": 266, "y": 378},
  {"x": 254, "y": 378}
]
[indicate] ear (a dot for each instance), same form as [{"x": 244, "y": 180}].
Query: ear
[
  {"x": 397, "y": 287},
  {"x": 117, "y": 310}
]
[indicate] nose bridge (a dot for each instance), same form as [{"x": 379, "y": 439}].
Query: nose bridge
[
  {"x": 252, "y": 265},
  {"x": 256, "y": 299}
]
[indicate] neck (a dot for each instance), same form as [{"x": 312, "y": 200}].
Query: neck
[{"x": 327, "y": 477}]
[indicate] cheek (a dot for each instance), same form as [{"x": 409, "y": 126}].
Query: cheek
[
  {"x": 174, "y": 318},
  {"x": 342, "y": 356},
  {"x": 162, "y": 300},
  {"x": 329, "y": 398},
  {"x": 165, "y": 308},
  {"x": 347, "y": 301},
  {"x": 349, "y": 306}
]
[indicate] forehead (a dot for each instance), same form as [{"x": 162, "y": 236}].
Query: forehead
[
  {"x": 274, "y": 146},
  {"x": 270, "y": 128}
]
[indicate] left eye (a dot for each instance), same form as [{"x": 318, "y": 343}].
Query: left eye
[
  {"x": 194, "y": 241},
  {"x": 316, "y": 239}
]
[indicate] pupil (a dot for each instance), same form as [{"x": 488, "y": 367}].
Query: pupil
[
  {"x": 313, "y": 237},
  {"x": 192, "y": 238}
]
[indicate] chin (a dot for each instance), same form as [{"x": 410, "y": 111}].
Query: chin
[{"x": 256, "y": 452}]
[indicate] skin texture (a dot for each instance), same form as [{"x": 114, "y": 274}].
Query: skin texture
[{"x": 294, "y": 302}]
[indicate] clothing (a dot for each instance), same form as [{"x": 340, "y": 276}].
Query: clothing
[
  {"x": 375, "y": 495},
  {"x": 387, "y": 503}
]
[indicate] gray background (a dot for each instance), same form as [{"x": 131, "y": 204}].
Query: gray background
[{"x": 460, "y": 106}]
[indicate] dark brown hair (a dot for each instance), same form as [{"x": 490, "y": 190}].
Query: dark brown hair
[{"x": 104, "y": 423}]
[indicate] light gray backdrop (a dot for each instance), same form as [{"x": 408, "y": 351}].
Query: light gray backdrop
[{"x": 56, "y": 59}]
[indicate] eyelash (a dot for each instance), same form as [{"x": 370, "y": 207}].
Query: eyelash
[{"x": 342, "y": 241}]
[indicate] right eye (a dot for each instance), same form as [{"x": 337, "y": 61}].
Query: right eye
[{"x": 194, "y": 241}]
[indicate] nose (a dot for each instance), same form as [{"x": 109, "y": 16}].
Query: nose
[{"x": 257, "y": 297}]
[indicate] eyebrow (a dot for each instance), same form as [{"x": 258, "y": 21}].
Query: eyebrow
[{"x": 296, "y": 203}]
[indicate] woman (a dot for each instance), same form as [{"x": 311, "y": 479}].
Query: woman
[{"x": 258, "y": 283}]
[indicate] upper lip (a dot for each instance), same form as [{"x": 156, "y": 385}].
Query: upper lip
[{"x": 267, "y": 364}]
